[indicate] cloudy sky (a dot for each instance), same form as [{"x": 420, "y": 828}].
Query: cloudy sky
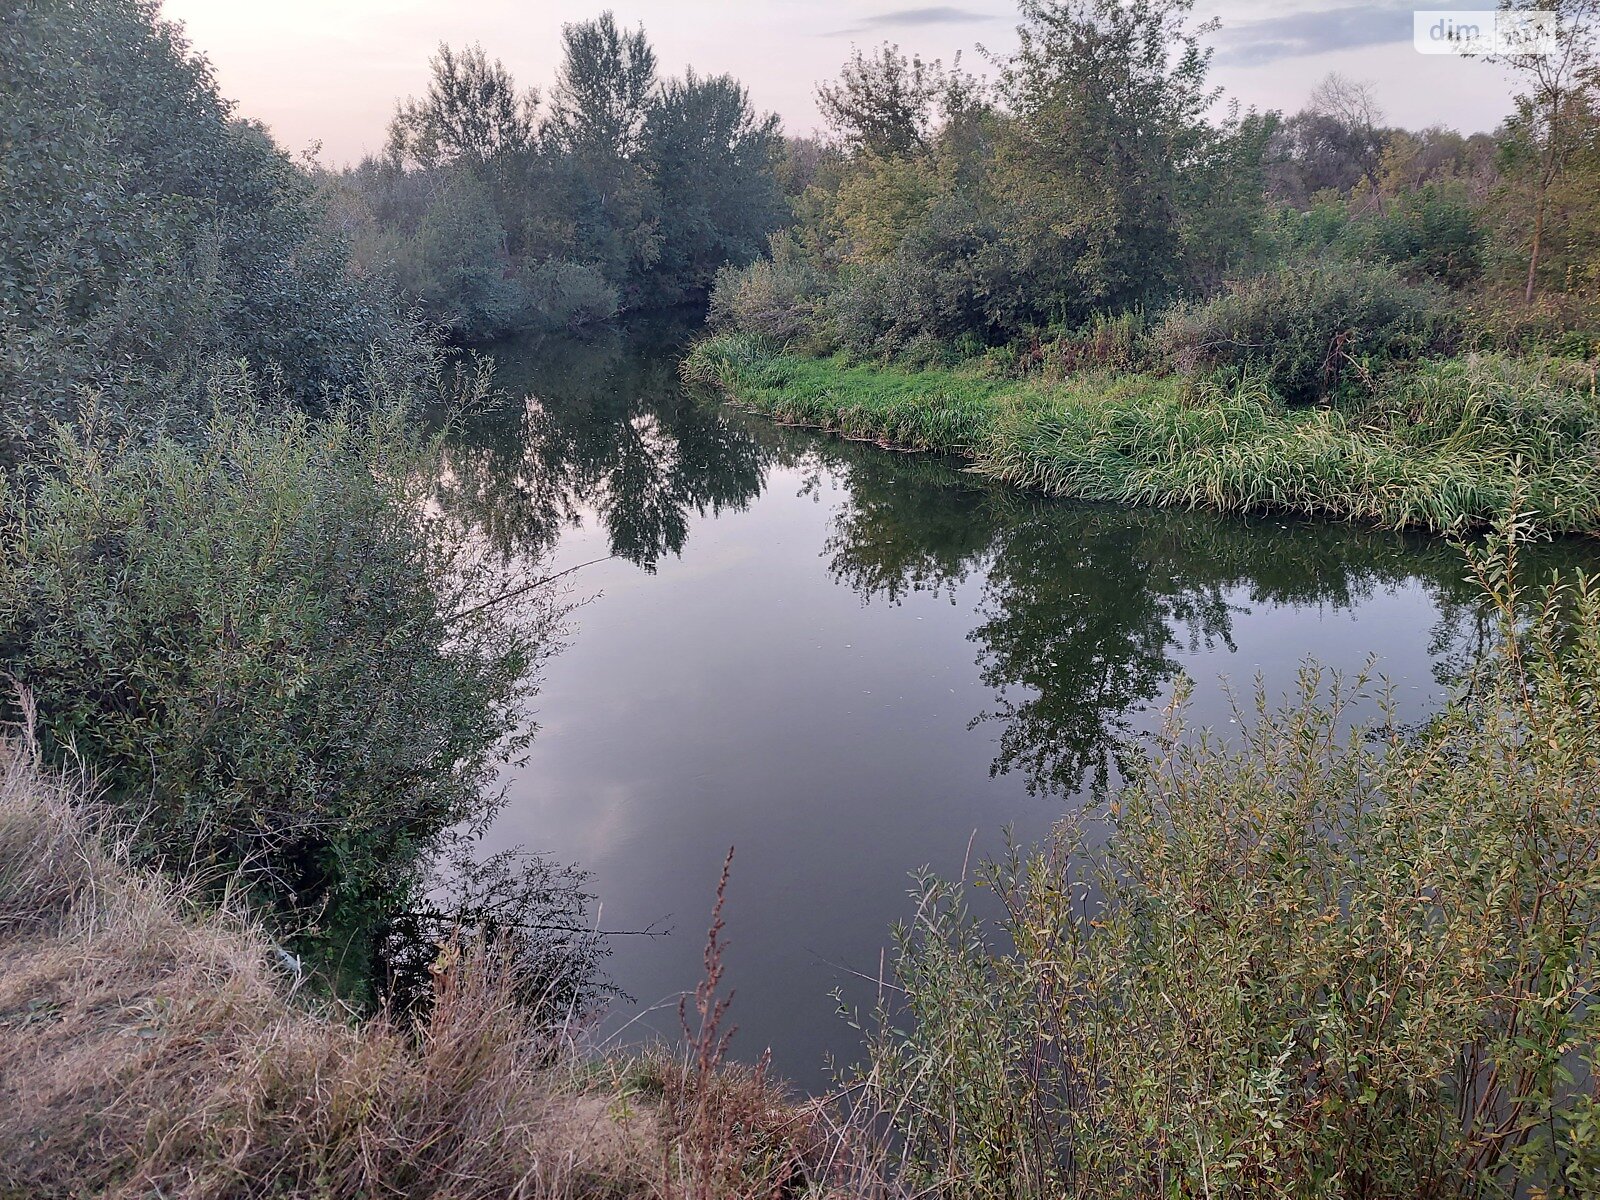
[{"x": 331, "y": 70}]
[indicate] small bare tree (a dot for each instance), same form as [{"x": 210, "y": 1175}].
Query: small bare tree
[
  {"x": 1351, "y": 103},
  {"x": 1546, "y": 122}
]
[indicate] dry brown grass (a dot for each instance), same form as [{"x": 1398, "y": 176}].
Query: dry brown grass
[{"x": 150, "y": 1048}]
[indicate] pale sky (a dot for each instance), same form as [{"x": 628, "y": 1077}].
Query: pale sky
[{"x": 332, "y": 70}]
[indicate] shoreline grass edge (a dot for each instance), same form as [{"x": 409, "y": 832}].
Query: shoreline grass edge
[{"x": 1458, "y": 444}]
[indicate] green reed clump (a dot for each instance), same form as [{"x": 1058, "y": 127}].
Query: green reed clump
[
  {"x": 1538, "y": 411},
  {"x": 1320, "y": 958},
  {"x": 1448, "y": 446},
  {"x": 1444, "y": 445}
]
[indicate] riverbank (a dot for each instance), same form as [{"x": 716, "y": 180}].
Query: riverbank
[
  {"x": 1447, "y": 445},
  {"x": 152, "y": 1046}
]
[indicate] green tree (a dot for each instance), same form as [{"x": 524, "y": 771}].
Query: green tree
[
  {"x": 599, "y": 204},
  {"x": 1225, "y": 200},
  {"x": 473, "y": 113},
  {"x": 457, "y": 262},
  {"x": 883, "y": 103},
  {"x": 603, "y": 90},
  {"x": 1431, "y": 231},
  {"x": 711, "y": 159},
  {"x": 1109, "y": 102},
  {"x": 147, "y": 234},
  {"x": 879, "y": 201},
  {"x": 1553, "y": 118}
]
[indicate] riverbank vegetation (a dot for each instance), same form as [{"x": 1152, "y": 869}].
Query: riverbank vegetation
[
  {"x": 1232, "y": 968},
  {"x": 151, "y": 235},
  {"x": 156, "y": 1046},
  {"x": 274, "y": 657},
  {"x": 219, "y": 578},
  {"x": 1123, "y": 296},
  {"x": 259, "y": 681},
  {"x": 1449, "y": 446}
]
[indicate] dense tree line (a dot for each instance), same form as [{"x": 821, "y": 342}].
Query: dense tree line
[
  {"x": 149, "y": 233},
  {"x": 1100, "y": 176},
  {"x": 501, "y": 208}
]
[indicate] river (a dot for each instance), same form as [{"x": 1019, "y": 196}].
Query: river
[{"x": 849, "y": 663}]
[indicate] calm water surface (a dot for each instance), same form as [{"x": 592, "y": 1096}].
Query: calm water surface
[{"x": 850, "y": 664}]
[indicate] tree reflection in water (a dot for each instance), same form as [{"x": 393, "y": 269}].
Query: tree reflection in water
[
  {"x": 600, "y": 427},
  {"x": 1082, "y": 609}
]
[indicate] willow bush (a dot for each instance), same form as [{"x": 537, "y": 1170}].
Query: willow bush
[
  {"x": 268, "y": 649},
  {"x": 1325, "y": 957},
  {"x": 1308, "y": 330},
  {"x": 148, "y": 233}
]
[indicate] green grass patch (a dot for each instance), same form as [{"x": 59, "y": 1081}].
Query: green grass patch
[
  {"x": 1453, "y": 444},
  {"x": 920, "y": 410}
]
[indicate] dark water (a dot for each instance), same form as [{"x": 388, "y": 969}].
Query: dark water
[{"x": 850, "y": 663}]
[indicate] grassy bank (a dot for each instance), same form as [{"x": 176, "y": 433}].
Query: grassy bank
[
  {"x": 1450, "y": 444},
  {"x": 149, "y": 1047}
]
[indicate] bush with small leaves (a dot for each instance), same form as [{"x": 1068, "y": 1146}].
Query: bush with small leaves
[
  {"x": 1309, "y": 331},
  {"x": 268, "y": 648},
  {"x": 1324, "y": 957}
]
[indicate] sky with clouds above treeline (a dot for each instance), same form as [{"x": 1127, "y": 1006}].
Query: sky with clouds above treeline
[{"x": 330, "y": 71}]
